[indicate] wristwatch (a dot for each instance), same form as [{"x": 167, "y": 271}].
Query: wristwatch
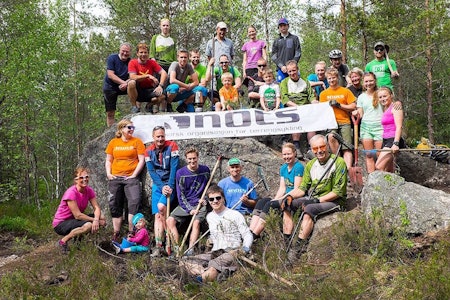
[{"x": 396, "y": 143}]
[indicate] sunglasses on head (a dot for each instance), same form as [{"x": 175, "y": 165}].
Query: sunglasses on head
[{"x": 216, "y": 198}]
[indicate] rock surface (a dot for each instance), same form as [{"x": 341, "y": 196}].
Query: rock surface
[{"x": 401, "y": 201}]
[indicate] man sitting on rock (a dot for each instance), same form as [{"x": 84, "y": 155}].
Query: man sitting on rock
[{"x": 328, "y": 192}]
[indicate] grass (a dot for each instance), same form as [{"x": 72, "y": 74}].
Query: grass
[{"x": 367, "y": 260}]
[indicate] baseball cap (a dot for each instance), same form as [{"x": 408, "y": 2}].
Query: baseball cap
[
  {"x": 234, "y": 161},
  {"x": 221, "y": 25},
  {"x": 379, "y": 44},
  {"x": 283, "y": 21},
  {"x": 136, "y": 218}
]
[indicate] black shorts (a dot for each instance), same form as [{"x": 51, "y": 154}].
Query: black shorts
[
  {"x": 110, "y": 98},
  {"x": 146, "y": 95},
  {"x": 388, "y": 143},
  {"x": 65, "y": 227},
  {"x": 316, "y": 209}
]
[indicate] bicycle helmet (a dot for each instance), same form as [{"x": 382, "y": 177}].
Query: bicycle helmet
[{"x": 336, "y": 53}]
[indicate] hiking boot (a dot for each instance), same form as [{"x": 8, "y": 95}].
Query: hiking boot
[
  {"x": 157, "y": 252},
  {"x": 64, "y": 247},
  {"x": 135, "y": 110},
  {"x": 297, "y": 250}
]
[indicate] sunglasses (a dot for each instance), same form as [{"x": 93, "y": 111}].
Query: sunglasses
[
  {"x": 379, "y": 49},
  {"x": 319, "y": 148},
  {"x": 83, "y": 177},
  {"x": 217, "y": 198},
  {"x": 131, "y": 127},
  {"x": 224, "y": 62},
  {"x": 261, "y": 66}
]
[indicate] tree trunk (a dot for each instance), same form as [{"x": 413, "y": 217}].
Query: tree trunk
[
  {"x": 429, "y": 93},
  {"x": 343, "y": 32}
]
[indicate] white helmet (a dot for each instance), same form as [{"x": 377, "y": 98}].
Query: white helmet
[{"x": 336, "y": 53}]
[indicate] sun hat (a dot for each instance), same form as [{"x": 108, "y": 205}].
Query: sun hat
[
  {"x": 234, "y": 161},
  {"x": 136, "y": 218}
]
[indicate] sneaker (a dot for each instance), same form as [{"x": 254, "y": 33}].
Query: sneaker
[
  {"x": 190, "y": 252},
  {"x": 135, "y": 110},
  {"x": 297, "y": 250},
  {"x": 117, "y": 247},
  {"x": 169, "y": 108},
  {"x": 64, "y": 247},
  {"x": 181, "y": 108},
  {"x": 157, "y": 252}
]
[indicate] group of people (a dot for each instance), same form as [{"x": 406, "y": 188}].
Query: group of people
[
  {"x": 318, "y": 188},
  {"x": 160, "y": 76}
]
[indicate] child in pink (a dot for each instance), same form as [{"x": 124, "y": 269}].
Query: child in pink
[{"x": 137, "y": 242}]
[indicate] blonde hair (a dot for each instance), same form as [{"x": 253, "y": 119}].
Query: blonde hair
[
  {"x": 383, "y": 88},
  {"x": 121, "y": 125},
  {"x": 290, "y": 146},
  {"x": 226, "y": 75},
  {"x": 267, "y": 71},
  {"x": 141, "y": 45},
  {"x": 332, "y": 71}
]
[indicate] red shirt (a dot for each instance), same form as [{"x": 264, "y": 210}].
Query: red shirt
[{"x": 150, "y": 67}]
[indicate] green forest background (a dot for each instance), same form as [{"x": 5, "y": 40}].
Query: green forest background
[{"x": 53, "y": 53}]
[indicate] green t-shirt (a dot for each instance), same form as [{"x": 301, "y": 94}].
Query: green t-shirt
[
  {"x": 201, "y": 72},
  {"x": 382, "y": 72},
  {"x": 299, "y": 92},
  {"x": 163, "y": 50},
  {"x": 334, "y": 181}
]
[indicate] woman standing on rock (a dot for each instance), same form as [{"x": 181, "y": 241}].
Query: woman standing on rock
[
  {"x": 291, "y": 174},
  {"x": 392, "y": 121},
  {"x": 70, "y": 220},
  {"x": 370, "y": 111},
  {"x": 124, "y": 162}
]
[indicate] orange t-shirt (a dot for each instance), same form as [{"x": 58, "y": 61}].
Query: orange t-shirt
[
  {"x": 125, "y": 155},
  {"x": 230, "y": 96},
  {"x": 341, "y": 95}
]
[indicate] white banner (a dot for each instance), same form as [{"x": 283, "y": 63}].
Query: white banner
[{"x": 237, "y": 123}]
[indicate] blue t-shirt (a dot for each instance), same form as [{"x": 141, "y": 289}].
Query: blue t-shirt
[
  {"x": 289, "y": 176},
  {"x": 119, "y": 67},
  {"x": 318, "y": 88},
  {"x": 233, "y": 191}
]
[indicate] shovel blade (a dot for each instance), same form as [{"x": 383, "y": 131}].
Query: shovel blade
[{"x": 356, "y": 178}]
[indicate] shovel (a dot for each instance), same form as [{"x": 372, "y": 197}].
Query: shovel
[{"x": 355, "y": 172}]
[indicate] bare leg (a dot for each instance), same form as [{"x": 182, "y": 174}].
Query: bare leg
[
  {"x": 306, "y": 227},
  {"x": 348, "y": 157},
  {"x": 288, "y": 223},
  {"x": 110, "y": 117},
  {"x": 117, "y": 223},
  {"x": 195, "y": 233},
  {"x": 132, "y": 92},
  {"x": 78, "y": 231},
  {"x": 172, "y": 227}
]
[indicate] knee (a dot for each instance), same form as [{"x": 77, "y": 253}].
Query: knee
[
  {"x": 171, "y": 222},
  {"x": 131, "y": 84}
]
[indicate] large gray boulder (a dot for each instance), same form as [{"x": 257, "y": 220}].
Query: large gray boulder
[
  {"x": 399, "y": 201},
  {"x": 253, "y": 153}
]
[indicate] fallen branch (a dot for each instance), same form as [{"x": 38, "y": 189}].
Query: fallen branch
[{"x": 272, "y": 274}]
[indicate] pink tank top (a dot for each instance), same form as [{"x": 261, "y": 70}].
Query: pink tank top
[{"x": 388, "y": 123}]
